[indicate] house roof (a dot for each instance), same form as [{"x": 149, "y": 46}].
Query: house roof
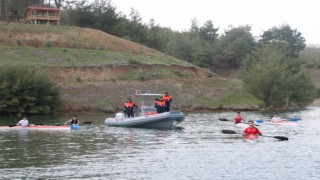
[{"x": 43, "y": 8}]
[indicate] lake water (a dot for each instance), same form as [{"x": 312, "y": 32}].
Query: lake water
[{"x": 197, "y": 150}]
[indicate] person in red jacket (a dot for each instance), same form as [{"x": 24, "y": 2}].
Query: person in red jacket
[
  {"x": 238, "y": 118},
  {"x": 168, "y": 99},
  {"x": 251, "y": 132},
  {"x": 160, "y": 105},
  {"x": 128, "y": 107}
]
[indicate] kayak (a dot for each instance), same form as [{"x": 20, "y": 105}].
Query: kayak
[
  {"x": 282, "y": 123},
  {"x": 241, "y": 125},
  {"x": 35, "y": 127},
  {"x": 75, "y": 127},
  {"x": 251, "y": 138}
]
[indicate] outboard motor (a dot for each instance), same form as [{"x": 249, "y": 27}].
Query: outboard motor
[{"x": 119, "y": 116}]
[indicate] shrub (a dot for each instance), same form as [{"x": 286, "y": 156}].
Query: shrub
[
  {"x": 18, "y": 41},
  {"x": 23, "y": 90},
  {"x": 48, "y": 44}
]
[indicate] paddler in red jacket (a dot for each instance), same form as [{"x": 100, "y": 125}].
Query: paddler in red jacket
[
  {"x": 238, "y": 118},
  {"x": 251, "y": 132}
]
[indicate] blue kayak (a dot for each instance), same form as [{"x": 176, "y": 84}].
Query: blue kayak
[{"x": 75, "y": 127}]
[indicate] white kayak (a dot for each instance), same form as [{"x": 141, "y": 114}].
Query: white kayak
[{"x": 241, "y": 125}]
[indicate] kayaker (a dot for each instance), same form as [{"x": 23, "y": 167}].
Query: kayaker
[
  {"x": 251, "y": 132},
  {"x": 276, "y": 118},
  {"x": 73, "y": 121},
  {"x": 23, "y": 122},
  {"x": 238, "y": 118},
  {"x": 168, "y": 99},
  {"x": 128, "y": 107}
]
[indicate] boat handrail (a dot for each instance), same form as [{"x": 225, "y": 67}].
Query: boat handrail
[{"x": 147, "y": 94}]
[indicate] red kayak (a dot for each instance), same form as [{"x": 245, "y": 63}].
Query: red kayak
[
  {"x": 251, "y": 138},
  {"x": 282, "y": 123},
  {"x": 35, "y": 127}
]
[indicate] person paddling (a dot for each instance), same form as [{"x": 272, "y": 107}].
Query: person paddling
[
  {"x": 251, "y": 132},
  {"x": 238, "y": 118},
  {"x": 276, "y": 118},
  {"x": 73, "y": 121},
  {"x": 23, "y": 122}
]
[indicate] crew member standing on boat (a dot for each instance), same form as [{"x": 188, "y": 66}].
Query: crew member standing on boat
[
  {"x": 128, "y": 107},
  {"x": 168, "y": 99},
  {"x": 238, "y": 118},
  {"x": 251, "y": 132},
  {"x": 23, "y": 122},
  {"x": 160, "y": 105},
  {"x": 73, "y": 121}
]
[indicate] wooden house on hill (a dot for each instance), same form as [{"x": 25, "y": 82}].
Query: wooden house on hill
[{"x": 42, "y": 15}]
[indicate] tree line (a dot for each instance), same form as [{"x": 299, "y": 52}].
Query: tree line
[{"x": 270, "y": 64}]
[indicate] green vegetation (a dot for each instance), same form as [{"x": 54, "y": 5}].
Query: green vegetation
[
  {"x": 65, "y": 57},
  {"x": 23, "y": 90},
  {"x": 20, "y": 27},
  {"x": 240, "y": 99},
  {"x": 272, "y": 76},
  {"x": 287, "y": 36},
  {"x": 310, "y": 57}
]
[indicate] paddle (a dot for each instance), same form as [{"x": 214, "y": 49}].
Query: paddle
[
  {"x": 293, "y": 119},
  {"x": 87, "y": 122},
  {"x": 223, "y": 119},
  {"x": 13, "y": 125},
  {"x": 281, "y": 138}
]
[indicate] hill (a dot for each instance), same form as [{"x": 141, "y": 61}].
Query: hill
[{"x": 97, "y": 71}]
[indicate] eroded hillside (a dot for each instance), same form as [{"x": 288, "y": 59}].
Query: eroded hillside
[{"x": 97, "y": 71}]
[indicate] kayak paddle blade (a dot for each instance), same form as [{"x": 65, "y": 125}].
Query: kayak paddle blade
[
  {"x": 259, "y": 121},
  {"x": 223, "y": 119},
  {"x": 281, "y": 138},
  {"x": 226, "y": 131},
  {"x": 87, "y": 122}
]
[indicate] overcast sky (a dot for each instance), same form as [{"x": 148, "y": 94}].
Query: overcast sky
[{"x": 303, "y": 15}]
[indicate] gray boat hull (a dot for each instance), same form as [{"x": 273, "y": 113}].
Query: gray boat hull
[{"x": 166, "y": 120}]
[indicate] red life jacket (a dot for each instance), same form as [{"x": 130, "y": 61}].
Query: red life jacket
[
  {"x": 238, "y": 119},
  {"x": 161, "y": 103},
  {"x": 251, "y": 131},
  {"x": 129, "y": 104},
  {"x": 166, "y": 98}
]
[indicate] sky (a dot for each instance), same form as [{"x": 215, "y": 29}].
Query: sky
[{"x": 261, "y": 15}]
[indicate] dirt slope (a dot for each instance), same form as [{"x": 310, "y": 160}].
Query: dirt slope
[{"x": 105, "y": 88}]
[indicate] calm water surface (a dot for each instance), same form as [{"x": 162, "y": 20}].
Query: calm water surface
[{"x": 198, "y": 150}]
